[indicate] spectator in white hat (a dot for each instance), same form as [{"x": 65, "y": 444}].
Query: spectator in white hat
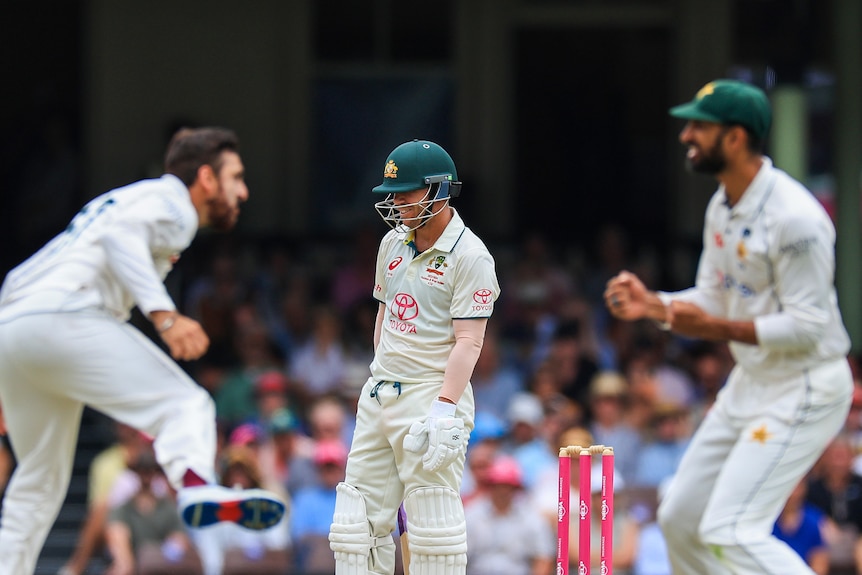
[
  {"x": 526, "y": 443},
  {"x": 608, "y": 401}
]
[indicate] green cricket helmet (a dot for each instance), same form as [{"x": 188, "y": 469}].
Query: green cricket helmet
[{"x": 413, "y": 166}]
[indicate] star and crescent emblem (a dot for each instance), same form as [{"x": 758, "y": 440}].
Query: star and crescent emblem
[{"x": 761, "y": 435}]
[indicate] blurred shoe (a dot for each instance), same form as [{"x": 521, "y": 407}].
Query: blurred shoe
[{"x": 206, "y": 505}]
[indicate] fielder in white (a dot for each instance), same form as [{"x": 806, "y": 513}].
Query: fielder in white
[
  {"x": 436, "y": 284},
  {"x": 65, "y": 343},
  {"x": 765, "y": 284}
]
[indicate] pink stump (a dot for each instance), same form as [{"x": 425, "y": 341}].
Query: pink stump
[
  {"x": 585, "y": 461},
  {"x": 607, "y": 542},
  {"x": 563, "y": 508}
]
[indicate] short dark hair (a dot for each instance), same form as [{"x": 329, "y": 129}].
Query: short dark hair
[
  {"x": 191, "y": 148},
  {"x": 755, "y": 142}
]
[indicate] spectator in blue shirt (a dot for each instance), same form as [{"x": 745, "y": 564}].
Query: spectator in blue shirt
[
  {"x": 660, "y": 456},
  {"x": 313, "y": 507},
  {"x": 800, "y": 525}
]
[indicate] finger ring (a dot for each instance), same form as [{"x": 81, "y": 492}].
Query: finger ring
[{"x": 614, "y": 301}]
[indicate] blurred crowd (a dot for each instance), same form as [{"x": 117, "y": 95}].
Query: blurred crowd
[{"x": 291, "y": 341}]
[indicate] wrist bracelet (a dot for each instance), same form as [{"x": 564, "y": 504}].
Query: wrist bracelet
[{"x": 167, "y": 324}]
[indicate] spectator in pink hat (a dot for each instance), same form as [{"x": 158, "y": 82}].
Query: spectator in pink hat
[
  {"x": 271, "y": 390},
  {"x": 247, "y": 434},
  {"x": 520, "y": 542},
  {"x": 313, "y": 508}
]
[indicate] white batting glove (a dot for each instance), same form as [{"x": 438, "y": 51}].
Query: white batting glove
[{"x": 441, "y": 436}]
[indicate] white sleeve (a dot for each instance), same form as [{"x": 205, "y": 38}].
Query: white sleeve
[
  {"x": 131, "y": 261},
  {"x": 131, "y": 242},
  {"x": 477, "y": 287},
  {"x": 803, "y": 268}
]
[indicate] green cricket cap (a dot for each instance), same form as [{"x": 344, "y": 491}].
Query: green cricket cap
[
  {"x": 729, "y": 102},
  {"x": 410, "y": 163}
]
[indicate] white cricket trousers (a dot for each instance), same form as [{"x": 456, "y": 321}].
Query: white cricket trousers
[
  {"x": 741, "y": 466},
  {"x": 380, "y": 468},
  {"x": 51, "y": 366}
]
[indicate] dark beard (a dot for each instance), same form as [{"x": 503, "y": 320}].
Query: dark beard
[
  {"x": 707, "y": 165},
  {"x": 222, "y": 218},
  {"x": 711, "y": 162}
]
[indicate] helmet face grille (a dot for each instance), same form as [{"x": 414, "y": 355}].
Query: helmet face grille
[{"x": 391, "y": 214}]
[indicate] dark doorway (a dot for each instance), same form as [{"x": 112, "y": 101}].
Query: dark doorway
[
  {"x": 603, "y": 159},
  {"x": 40, "y": 142}
]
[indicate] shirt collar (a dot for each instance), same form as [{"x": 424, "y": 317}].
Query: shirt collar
[
  {"x": 753, "y": 196},
  {"x": 450, "y": 236},
  {"x": 175, "y": 183},
  {"x": 183, "y": 192}
]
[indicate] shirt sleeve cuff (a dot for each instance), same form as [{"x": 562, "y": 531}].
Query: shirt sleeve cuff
[
  {"x": 666, "y": 299},
  {"x": 157, "y": 302},
  {"x": 774, "y": 331}
]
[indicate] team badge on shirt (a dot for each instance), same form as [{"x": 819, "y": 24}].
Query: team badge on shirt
[
  {"x": 434, "y": 270},
  {"x": 438, "y": 262},
  {"x": 434, "y": 267}
]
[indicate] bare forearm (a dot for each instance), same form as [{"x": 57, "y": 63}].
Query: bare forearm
[
  {"x": 469, "y": 337},
  {"x": 703, "y": 326},
  {"x": 378, "y": 324},
  {"x": 462, "y": 360},
  {"x": 118, "y": 539},
  {"x": 655, "y": 309}
]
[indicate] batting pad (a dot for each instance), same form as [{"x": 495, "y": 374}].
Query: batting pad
[
  {"x": 349, "y": 536},
  {"x": 436, "y": 532}
]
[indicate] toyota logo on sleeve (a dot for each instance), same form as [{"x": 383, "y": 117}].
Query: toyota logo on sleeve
[
  {"x": 482, "y": 296},
  {"x": 484, "y": 299}
]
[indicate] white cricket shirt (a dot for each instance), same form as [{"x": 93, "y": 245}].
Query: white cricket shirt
[
  {"x": 771, "y": 259},
  {"x": 423, "y": 293},
  {"x": 114, "y": 254}
]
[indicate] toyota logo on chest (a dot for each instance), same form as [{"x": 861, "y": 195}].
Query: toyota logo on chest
[{"x": 404, "y": 307}]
